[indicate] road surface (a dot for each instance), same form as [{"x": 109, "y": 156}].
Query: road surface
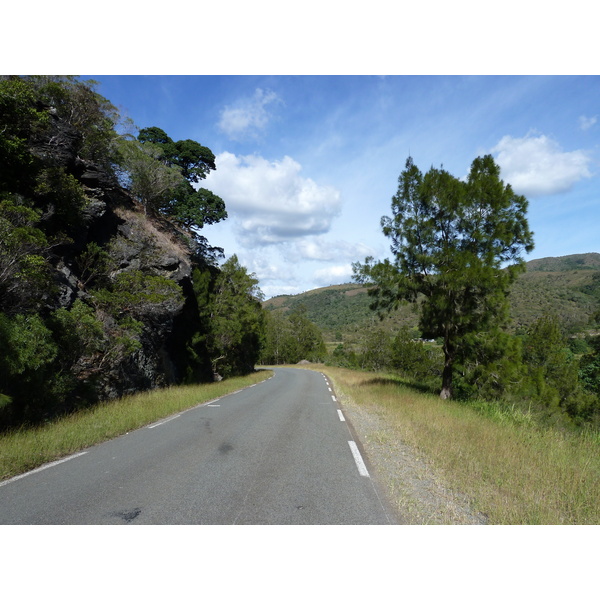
[{"x": 279, "y": 452}]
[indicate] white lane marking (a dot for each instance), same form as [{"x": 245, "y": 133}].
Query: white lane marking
[
  {"x": 362, "y": 469},
  {"x": 340, "y": 415},
  {"x": 214, "y": 405},
  {"x": 329, "y": 389},
  {"x": 334, "y": 398},
  {"x": 163, "y": 422},
  {"x": 42, "y": 468}
]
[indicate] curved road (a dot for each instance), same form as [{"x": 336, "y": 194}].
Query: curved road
[{"x": 279, "y": 452}]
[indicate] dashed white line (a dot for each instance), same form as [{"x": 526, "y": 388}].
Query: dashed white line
[
  {"x": 340, "y": 415},
  {"x": 42, "y": 468},
  {"x": 362, "y": 469},
  {"x": 334, "y": 398}
]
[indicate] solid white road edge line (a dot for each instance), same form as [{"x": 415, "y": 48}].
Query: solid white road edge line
[
  {"x": 340, "y": 415},
  {"x": 43, "y": 467},
  {"x": 163, "y": 422},
  {"x": 362, "y": 469}
]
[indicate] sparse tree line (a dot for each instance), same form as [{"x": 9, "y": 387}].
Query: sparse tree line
[{"x": 543, "y": 371}]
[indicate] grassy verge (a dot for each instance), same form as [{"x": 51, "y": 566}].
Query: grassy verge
[
  {"x": 26, "y": 449},
  {"x": 513, "y": 471}
]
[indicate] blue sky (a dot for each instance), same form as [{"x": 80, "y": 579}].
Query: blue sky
[
  {"x": 307, "y": 162},
  {"x": 307, "y": 165},
  {"x": 334, "y": 147}
]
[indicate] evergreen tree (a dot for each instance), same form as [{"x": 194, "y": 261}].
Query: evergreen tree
[
  {"x": 451, "y": 240},
  {"x": 189, "y": 206},
  {"x": 291, "y": 338},
  {"x": 236, "y": 322}
]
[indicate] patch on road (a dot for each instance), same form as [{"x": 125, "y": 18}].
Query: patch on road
[{"x": 127, "y": 515}]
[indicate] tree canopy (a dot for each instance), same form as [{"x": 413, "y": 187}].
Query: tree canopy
[
  {"x": 97, "y": 299},
  {"x": 457, "y": 249},
  {"x": 160, "y": 173}
]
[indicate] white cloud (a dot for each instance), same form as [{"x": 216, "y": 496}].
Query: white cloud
[
  {"x": 537, "y": 166},
  {"x": 586, "y": 123},
  {"x": 248, "y": 116},
  {"x": 268, "y": 267},
  {"x": 333, "y": 275},
  {"x": 270, "y": 201},
  {"x": 316, "y": 248}
]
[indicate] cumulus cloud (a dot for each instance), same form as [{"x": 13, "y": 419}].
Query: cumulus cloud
[
  {"x": 315, "y": 248},
  {"x": 535, "y": 165},
  {"x": 586, "y": 123},
  {"x": 248, "y": 116},
  {"x": 268, "y": 266},
  {"x": 270, "y": 200},
  {"x": 333, "y": 275}
]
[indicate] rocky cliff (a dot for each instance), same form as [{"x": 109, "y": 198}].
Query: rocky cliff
[{"x": 96, "y": 288}]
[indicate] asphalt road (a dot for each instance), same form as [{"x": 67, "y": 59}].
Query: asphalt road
[{"x": 279, "y": 452}]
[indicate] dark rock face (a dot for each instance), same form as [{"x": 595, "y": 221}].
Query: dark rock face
[{"x": 135, "y": 242}]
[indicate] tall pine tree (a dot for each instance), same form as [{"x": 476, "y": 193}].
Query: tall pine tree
[{"x": 457, "y": 247}]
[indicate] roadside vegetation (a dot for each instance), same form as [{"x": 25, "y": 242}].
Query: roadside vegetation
[
  {"x": 107, "y": 285},
  {"x": 514, "y": 470},
  {"x": 488, "y": 365},
  {"x": 27, "y": 448}
]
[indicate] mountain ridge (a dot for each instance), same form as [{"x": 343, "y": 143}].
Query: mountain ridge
[{"x": 567, "y": 285}]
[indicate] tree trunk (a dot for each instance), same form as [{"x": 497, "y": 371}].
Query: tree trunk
[{"x": 447, "y": 373}]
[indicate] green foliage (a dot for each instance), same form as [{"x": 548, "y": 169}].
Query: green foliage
[
  {"x": 27, "y": 351},
  {"x": 24, "y": 274},
  {"x": 195, "y": 208},
  {"x": 61, "y": 195},
  {"x": 551, "y": 378},
  {"x": 93, "y": 263},
  {"x": 379, "y": 349},
  {"x": 26, "y": 344},
  {"x": 175, "y": 167},
  {"x": 20, "y": 119},
  {"x": 80, "y": 296},
  {"x": 137, "y": 293},
  {"x": 331, "y": 309},
  {"x": 451, "y": 240},
  {"x": 151, "y": 181},
  {"x": 194, "y": 160},
  {"x": 91, "y": 117},
  {"x": 79, "y": 332},
  {"x": 236, "y": 325},
  {"x": 590, "y": 367},
  {"x": 292, "y": 338},
  {"x": 414, "y": 358}
]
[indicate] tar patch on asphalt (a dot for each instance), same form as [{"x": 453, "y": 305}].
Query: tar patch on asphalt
[{"x": 127, "y": 515}]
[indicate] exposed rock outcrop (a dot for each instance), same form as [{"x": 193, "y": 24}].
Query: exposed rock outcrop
[{"x": 134, "y": 242}]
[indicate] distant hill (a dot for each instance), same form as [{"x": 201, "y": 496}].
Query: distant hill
[
  {"x": 573, "y": 262},
  {"x": 569, "y": 286}
]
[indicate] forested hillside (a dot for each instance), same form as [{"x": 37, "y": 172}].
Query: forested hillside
[
  {"x": 106, "y": 284},
  {"x": 567, "y": 286},
  {"x": 549, "y": 368}
]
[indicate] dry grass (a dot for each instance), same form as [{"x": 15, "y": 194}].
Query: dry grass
[
  {"x": 23, "y": 450},
  {"x": 511, "y": 471}
]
